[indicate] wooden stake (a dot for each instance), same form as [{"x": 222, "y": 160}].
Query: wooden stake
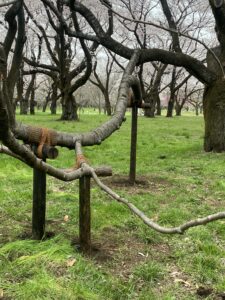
[
  {"x": 133, "y": 147},
  {"x": 39, "y": 204},
  {"x": 85, "y": 213}
]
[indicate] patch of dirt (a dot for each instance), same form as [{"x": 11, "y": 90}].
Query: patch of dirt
[
  {"x": 57, "y": 269},
  {"x": 10, "y": 228},
  {"x": 142, "y": 184},
  {"x": 119, "y": 252}
]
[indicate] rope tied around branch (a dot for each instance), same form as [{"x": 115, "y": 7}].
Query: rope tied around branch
[
  {"x": 41, "y": 136},
  {"x": 45, "y": 139},
  {"x": 80, "y": 159}
]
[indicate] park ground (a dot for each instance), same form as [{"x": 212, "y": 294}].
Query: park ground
[{"x": 176, "y": 181}]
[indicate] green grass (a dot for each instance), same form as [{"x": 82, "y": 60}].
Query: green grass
[{"x": 177, "y": 181}]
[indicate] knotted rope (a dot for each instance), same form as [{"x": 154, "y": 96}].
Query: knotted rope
[{"x": 41, "y": 136}]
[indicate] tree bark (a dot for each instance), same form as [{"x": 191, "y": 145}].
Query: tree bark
[
  {"x": 178, "y": 109},
  {"x": 214, "y": 116},
  {"x": 53, "y": 106},
  {"x": 170, "y": 108},
  {"x": 69, "y": 108},
  {"x": 23, "y": 106},
  {"x": 107, "y": 105},
  {"x": 47, "y": 99},
  {"x": 32, "y": 102},
  {"x": 196, "y": 110},
  {"x": 172, "y": 94},
  {"x": 158, "y": 107},
  {"x": 151, "y": 99},
  {"x": 30, "y": 94}
]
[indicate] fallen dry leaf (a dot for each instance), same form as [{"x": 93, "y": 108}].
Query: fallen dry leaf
[
  {"x": 175, "y": 274},
  {"x": 66, "y": 218},
  {"x": 71, "y": 262},
  {"x": 179, "y": 280},
  {"x": 1, "y": 294}
]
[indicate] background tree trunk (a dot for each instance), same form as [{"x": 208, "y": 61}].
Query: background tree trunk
[
  {"x": 69, "y": 108},
  {"x": 32, "y": 102},
  {"x": 53, "y": 100},
  {"x": 158, "y": 107},
  {"x": 214, "y": 116},
  {"x": 178, "y": 109},
  {"x": 170, "y": 107},
  {"x": 149, "y": 112},
  {"x": 107, "y": 104},
  {"x": 23, "y": 106}
]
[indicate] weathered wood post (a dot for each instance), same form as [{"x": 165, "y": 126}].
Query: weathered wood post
[
  {"x": 85, "y": 208},
  {"x": 133, "y": 146},
  {"x": 85, "y": 213},
  {"x": 39, "y": 204},
  {"x": 39, "y": 194}
]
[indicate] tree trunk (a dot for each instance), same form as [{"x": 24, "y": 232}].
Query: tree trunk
[
  {"x": 20, "y": 99},
  {"x": 214, "y": 116},
  {"x": 32, "y": 102},
  {"x": 196, "y": 110},
  {"x": 172, "y": 94},
  {"x": 170, "y": 108},
  {"x": 178, "y": 109},
  {"x": 30, "y": 94},
  {"x": 107, "y": 105},
  {"x": 150, "y": 112},
  {"x": 23, "y": 106},
  {"x": 53, "y": 106},
  {"x": 158, "y": 107},
  {"x": 45, "y": 103},
  {"x": 69, "y": 108}
]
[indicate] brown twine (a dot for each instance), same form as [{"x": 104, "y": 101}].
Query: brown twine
[
  {"x": 41, "y": 136},
  {"x": 80, "y": 159},
  {"x": 45, "y": 139},
  {"x": 35, "y": 134}
]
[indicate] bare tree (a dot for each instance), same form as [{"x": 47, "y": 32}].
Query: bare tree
[
  {"x": 211, "y": 76},
  {"x": 103, "y": 81},
  {"x": 195, "y": 99},
  {"x": 61, "y": 68},
  {"x": 185, "y": 93}
]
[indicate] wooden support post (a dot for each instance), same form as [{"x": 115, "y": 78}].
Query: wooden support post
[
  {"x": 39, "y": 204},
  {"x": 85, "y": 214},
  {"x": 133, "y": 147}
]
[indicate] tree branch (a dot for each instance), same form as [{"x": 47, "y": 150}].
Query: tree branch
[
  {"x": 194, "y": 66},
  {"x": 8, "y": 3},
  {"x": 179, "y": 229}
]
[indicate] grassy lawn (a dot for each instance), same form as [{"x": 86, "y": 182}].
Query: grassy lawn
[{"x": 177, "y": 181}]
